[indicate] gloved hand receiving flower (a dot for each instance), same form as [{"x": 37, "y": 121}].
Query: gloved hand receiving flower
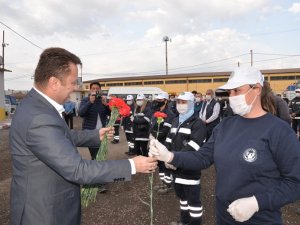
[
  {"x": 243, "y": 209},
  {"x": 160, "y": 151}
]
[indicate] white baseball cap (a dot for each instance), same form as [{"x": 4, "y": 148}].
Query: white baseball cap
[
  {"x": 129, "y": 98},
  {"x": 163, "y": 95},
  {"x": 140, "y": 96},
  {"x": 297, "y": 89},
  {"x": 243, "y": 75},
  {"x": 188, "y": 96}
]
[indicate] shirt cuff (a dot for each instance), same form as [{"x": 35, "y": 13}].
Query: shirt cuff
[{"x": 133, "y": 169}]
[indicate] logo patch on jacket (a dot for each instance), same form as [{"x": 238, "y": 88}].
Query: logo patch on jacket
[{"x": 250, "y": 155}]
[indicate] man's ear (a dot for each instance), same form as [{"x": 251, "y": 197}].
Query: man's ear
[{"x": 53, "y": 83}]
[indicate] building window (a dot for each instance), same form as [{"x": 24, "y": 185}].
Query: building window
[
  {"x": 132, "y": 83},
  {"x": 285, "y": 78},
  {"x": 153, "y": 82},
  {"x": 175, "y": 81},
  {"x": 200, "y": 81},
  {"x": 114, "y": 84},
  {"x": 87, "y": 87},
  {"x": 220, "y": 80}
]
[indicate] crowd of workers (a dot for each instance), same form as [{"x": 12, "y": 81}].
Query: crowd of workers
[
  {"x": 189, "y": 123},
  {"x": 251, "y": 144}
]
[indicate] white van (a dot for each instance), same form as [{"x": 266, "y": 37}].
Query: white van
[{"x": 122, "y": 92}]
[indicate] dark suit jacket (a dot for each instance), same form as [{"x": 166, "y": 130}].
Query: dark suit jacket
[{"x": 47, "y": 168}]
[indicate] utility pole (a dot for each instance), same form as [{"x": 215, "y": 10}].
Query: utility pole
[
  {"x": 3, "y": 45},
  {"x": 251, "y": 54},
  {"x": 166, "y": 39}
]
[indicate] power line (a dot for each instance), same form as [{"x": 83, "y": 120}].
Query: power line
[
  {"x": 215, "y": 61},
  {"x": 21, "y": 36},
  {"x": 275, "y": 54},
  {"x": 264, "y": 60},
  {"x": 173, "y": 69}
]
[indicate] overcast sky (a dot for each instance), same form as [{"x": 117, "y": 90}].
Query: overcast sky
[{"x": 121, "y": 38}]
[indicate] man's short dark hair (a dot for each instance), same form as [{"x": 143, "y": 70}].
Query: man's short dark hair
[
  {"x": 54, "y": 62},
  {"x": 194, "y": 92},
  {"x": 95, "y": 83}
]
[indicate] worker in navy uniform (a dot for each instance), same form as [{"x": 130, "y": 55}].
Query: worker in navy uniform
[
  {"x": 160, "y": 104},
  {"x": 210, "y": 112},
  {"x": 127, "y": 123},
  {"x": 294, "y": 105},
  {"x": 187, "y": 134},
  {"x": 141, "y": 125},
  {"x": 255, "y": 154},
  {"x": 172, "y": 104}
]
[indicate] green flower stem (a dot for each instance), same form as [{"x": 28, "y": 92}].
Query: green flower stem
[
  {"x": 89, "y": 192},
  {"x": 159, "y": 120},
  {"x": 151, "y": 198}
]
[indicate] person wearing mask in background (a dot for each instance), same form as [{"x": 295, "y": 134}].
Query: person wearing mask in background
[
  {"x": 198, "y": 103},
  {"x": 141, "y": 125},
  {"x": 47, "y": 167},
  {"x": 160, "y": 104},
  {"x": 94, "y": 111},
  {"x": 172, "y": 104},
  {"x": 294, "y": 105},
  {"x": 210, "y": 112},
  {"x": 127, "y": 123},
  {"x": 274, "y": 104},
  {"x": 256, "y": 156},
  {"x": 69, "y": 112},
  {"x": 187, "y": 135},
  {"x": 223, "y": 106}
]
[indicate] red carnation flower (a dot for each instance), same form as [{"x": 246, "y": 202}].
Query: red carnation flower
[
  {"x": 124, "y": 110},
  {"x": 160, "y": 115},
  {"x": 116, "y": 102}
]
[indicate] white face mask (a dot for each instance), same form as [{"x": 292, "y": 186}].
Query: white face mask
[
  {"x": 297, "y": 94},
  {"x": 239, "y": 105},
  {"x": 129, "y": 102},
  {"x": 198, "y": 99},
  {"x": 139, "y": 102},
  {"x": 182, "y": 108},
  {"x": 208, "y": 97}
]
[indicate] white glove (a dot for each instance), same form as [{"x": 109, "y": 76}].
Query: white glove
[
  {"x": 151, "y": 138},
  {"x": 170, "y": 166},
  {"x": 243, "y": 209},
  {"x": 160, "y": 151}
]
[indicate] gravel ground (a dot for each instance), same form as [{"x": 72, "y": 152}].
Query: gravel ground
[{"x": 122, "y": 204}]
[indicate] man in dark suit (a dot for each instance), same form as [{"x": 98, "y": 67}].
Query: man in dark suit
[{"x": 47, "y": 168}]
